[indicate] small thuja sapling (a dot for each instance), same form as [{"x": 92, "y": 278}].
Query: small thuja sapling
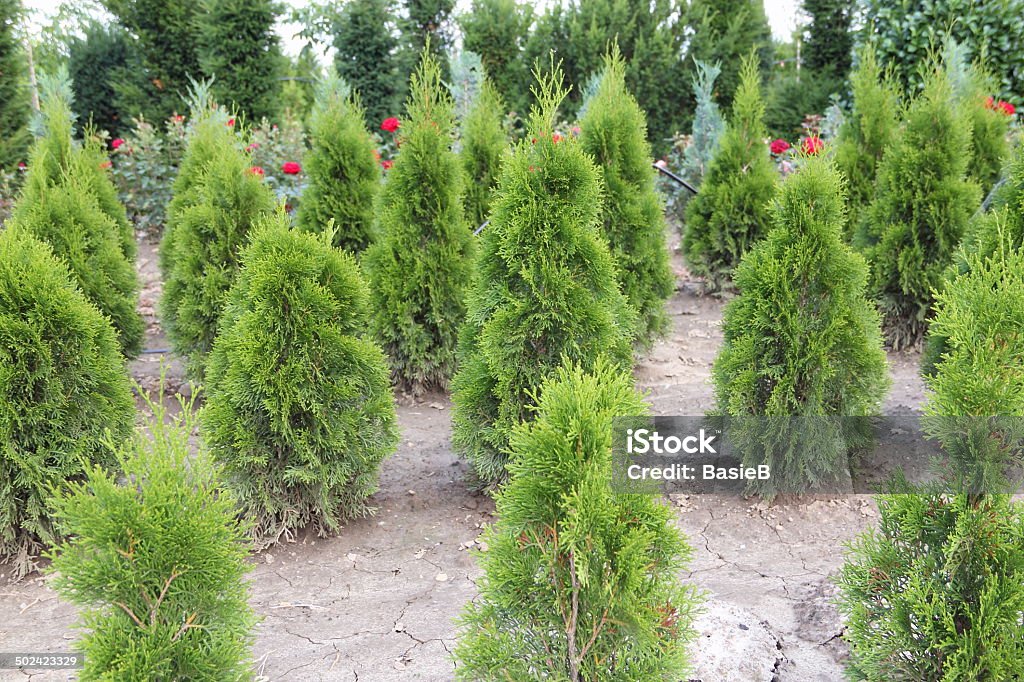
[
  {"x": 299, "y": 410},
  {"x": 579, "y": 583}
]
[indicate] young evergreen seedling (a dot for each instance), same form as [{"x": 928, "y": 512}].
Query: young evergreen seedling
[
  {"x": 923, "y": 202},
  {"x": 156, "y": 563},
  {"x": 937, "y": 591},
  {"x": 801, "y": 340},
  {"x": 545, "y": 289},
  {"x": 208, "y": 235},
  {"x": 579, "y": 583},
  {"x": 614, "y": 132},
  {"x": 866, "y": 132},
  {"x": 730, "y": 213},
  {"x": 344, "y": 177},
  {"x": 421, "y": 265},
  {"x": 63, "y": 386},
  {"x": 300, "y": 410},
  {"x": 483, "y": 144}
]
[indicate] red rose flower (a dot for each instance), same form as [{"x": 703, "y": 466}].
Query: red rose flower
[
  {"x": 116, "y": 143},
  {"x": 386, "y": 165},
  {"x": 390, "y": 124},
  {"x": 291, "y": 168},
  {"x": 556, "y": 138},
  {"x": 22, "y": 165},
  {"x": 178, "y": 118},
  {"x": 779, "y": 146},
  {"x": 231, "y": 123},
  {"x": 1006, "y": 108},
  {"x": 256, "y": 170},
  {"x": 812, "y": 145}
]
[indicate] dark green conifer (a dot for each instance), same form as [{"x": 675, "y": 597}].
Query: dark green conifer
[{"x": 483, "y": 143}]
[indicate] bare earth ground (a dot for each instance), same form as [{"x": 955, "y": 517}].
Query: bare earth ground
[{"x": 377, "y": 603}]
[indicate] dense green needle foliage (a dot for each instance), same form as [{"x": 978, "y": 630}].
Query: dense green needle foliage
[
  {"x": 344, "y": 176},
  {"x": 708, "y": 125},
  {"x": 14, "y": 103},
  {"x": 208, "y": 236},
  {"x": 801, "y": 340},
  {"x": 300, "y": 411},
  {"x": 95, "y": 61},
  {"x": 156, "y": 562},
  {"x": 497, "y": 30},
  {"x": 63, "y": 386},
  {"x": 730, "y": 213},
  {"x": 420, "y": 267},
  {"x": 364, "y": 57},
  {"x": 483, "y": 143},
  {"x": 238, "y": 48},
  {"x": 937, "y": 591},
  {"x": 580, "y": 583},
  {"x": 614, "y": 132},
  {"x": 922, "y": 204},
  {"x": 545, "y": 289},
  {"x": 866, "y": 131}
]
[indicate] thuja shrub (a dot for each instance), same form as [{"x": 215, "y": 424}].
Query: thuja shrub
[
  {"x": 545, "y": 290},
  {"x": 801, "y": 340},
  {"x": 866, "y": 131},
  {"x": 155, "y": 561},
  {"x": 935, "y": 593},
  {"x": 483, "y": 143},
  {"x": 208, "y": 235},
  {"x": 299, "y": 409},
  {"x": 922, "y": 204},
  {"x": 579, "y": 583},
  {"x": 730, "y": 213},
  {"x": 66, "y": 216},
  {"x": 421, "y": 266},
  {"x": 614, "y": 132},
  {"x": 344, "y": 175},
  {"x": 63, "y": 386}
]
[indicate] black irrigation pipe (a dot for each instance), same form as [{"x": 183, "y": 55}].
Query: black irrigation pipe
[{"x": 155, "y": 351}]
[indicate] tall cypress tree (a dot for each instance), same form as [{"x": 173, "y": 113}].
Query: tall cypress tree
[
  {"x": 14, "y": 109},
  {"x": 421, "y": 265},
  {"x": 239, "y": 49},
  {"x": 95, "y": 61},
  {"x": 344, "y": 176},
  {"x": 545, "y": 290},
  {"x": 614, "y": 132},
  {"x": 730, "y": 213},
  {"x": 483, "y": 143},
  {"x": 497, "y": 30},
  {"x": 828, "y": 40},
  {"x": 365, "y": 45},
  {"x": 923, "y": 202}
]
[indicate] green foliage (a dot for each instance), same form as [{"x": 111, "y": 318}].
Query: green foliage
[
  {"x": 300, "y": 410},
  {"x": 365, "y": 44},
  {"x": 923, "y": 202},
  {"x": 991, "y": 30},
  {"x": 420, "y": 267},
  {"x": 156, "y": 563},
  {"x": 801, "y": 340},
  {"x": 144, "y": 170},
  {"x": 167, "y": 42},
  {"x": 614, "y": 133},
  {"x": 790, "y": 97},
  {"x": 867, "y": 131},
  {"x": 497, "y": 30},
  {"x": 209, "y": 233},
  {"x": 483, "y": 143},
  {"x": 239, "y": 49},
  {"x": 344, "y": 176},
  {"x": 94, "y": 63},
  {"x": 936, "y": 593},
  {"x": 730, "y": 213},
  {"x": 545, "y": 290},
  {"x": 708, "y": 125},
  {"x": 14, "y": 107},
  {"x": 426, "y": 26},
  {"x": 63, "y": 386},
  {"x": 990, "y": 126},
  {"x": 579, "y": 583},
  {"x": 828, "y": 41}
]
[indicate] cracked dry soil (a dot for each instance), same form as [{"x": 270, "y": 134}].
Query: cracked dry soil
[{"x": 378, "y": 602}]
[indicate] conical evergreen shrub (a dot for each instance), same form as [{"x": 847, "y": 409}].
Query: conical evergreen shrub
[
  {"x": 867, "y": 131},
  {"x": 614, "y": 132},
  {"x": 801, "y": 340},
  {"x": 937, "y": 591},
  {"x": 484, "y": 142},
  {"x": 63, "y": 385},
  {"x": 156, "y": 563},
  {"x": 545, "y": 290},
  {"x": 421, "y": 265},
  {"x": 708, "y": 124},
  {"x": 344, "y": 176},
  {"x": 208, "y": 236},
  {"x": 730, "y": 213},
  {"x": 300, "y": 410},
  {"x": 923, "y": 202},
  {"x": 579, "y": 583}
]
